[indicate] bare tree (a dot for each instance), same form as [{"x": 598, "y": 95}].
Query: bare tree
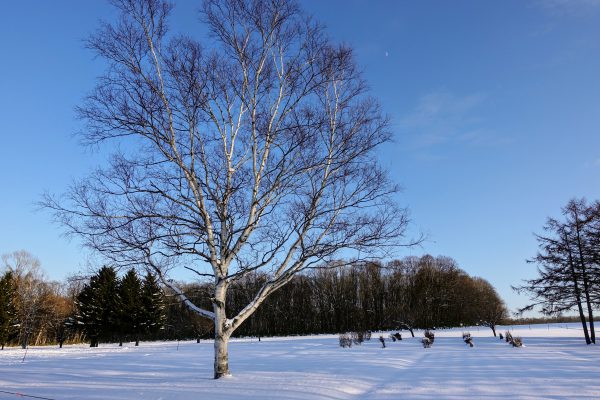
[
  {"x": 489, "y": 309},
  {"x": 578, "y": 216},
  {"x": 568, "y": 260},
  {"x": 258, "y": 154},
  {"x": 31, "y": 293}
]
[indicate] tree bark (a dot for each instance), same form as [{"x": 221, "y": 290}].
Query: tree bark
[
  {"x": 586, "y": 289},
  {"x": 589, "y": 308},
  {"x": 583, "y": 322},
  {"x": 221, "y": 356},
  {"x": 493, "y": 328},
  {"x": 578, "y": 297},
  {"x": 222, "y": 332},
  {"x": 25, "y": 341}
]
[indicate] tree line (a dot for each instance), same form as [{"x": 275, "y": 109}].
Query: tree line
[
  {"x": 116, "y": 309},
  {"x": 415, "y": 292},
  {"x": 104, "y": 307},
  {"x": 568, "y": 260},
  {"x": 33, "y": 309}
]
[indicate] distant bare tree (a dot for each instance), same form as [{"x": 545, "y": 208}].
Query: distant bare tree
[
  {"x": 31, "y": 292},
  {"x": 569, "y": 262},
  {"x": 258, "y": 154},
  {"x": 579, "y": 217},
  {"x": 489, "y": 310}
]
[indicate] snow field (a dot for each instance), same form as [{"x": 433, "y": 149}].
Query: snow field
[{"x": 555, "y": 364}]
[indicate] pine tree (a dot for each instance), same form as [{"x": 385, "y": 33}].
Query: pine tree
[
  {"x": 98, "y": 305},
  {"x": 153, "y": 305},
  {"x": 88, "y": 314},
  {"x": 7, "y": 307},
  {"x": 130, "y": 312}
]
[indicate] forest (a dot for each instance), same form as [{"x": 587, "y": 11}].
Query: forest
[
  {"x": 112, "y": 305},
  {"x": 414, "y": 292}
]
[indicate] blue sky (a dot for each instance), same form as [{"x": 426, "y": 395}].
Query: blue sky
[{"x": 495, "y": 108}]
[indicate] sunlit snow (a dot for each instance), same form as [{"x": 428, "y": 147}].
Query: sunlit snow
[{"x": 556, "y": 363}]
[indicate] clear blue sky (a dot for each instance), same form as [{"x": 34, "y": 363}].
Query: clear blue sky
[{"x": 495, "y": 108}]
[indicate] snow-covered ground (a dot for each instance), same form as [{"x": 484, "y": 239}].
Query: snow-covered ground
[{"x": 555, "y": 363}]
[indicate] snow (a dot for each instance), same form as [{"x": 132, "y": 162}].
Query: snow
[{"x": 556, "y": 363}]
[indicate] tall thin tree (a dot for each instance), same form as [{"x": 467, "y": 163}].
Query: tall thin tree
[{"x": 567, "y": 260}]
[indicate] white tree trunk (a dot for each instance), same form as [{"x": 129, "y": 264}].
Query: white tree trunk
[
  {"x": 221, "y": 355},
  {"x": 222, "y": 333}
]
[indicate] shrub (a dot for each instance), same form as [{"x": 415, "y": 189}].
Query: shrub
[
  {"x": 345, "y": 340},
  {"x": 429, "y": 335},
  {"x": 426, "y": 342},
  {"x": 517, "y": 342},
  {"x": 358, "y": 337},
  {"x": 468, "y": 339}
]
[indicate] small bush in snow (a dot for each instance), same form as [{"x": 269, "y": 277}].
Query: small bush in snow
[
  {"x": 426, "y": 342},
  {"x": 468, "y": 339},
  {"x": 345, "y": 340},
  {"x": 501, "y": 337},
  {"x": 514, "y": 341},
  {"x": 429, "y": 335},
  {"x": 358, "y": 337},
  {"x": 397, "y": 336}
]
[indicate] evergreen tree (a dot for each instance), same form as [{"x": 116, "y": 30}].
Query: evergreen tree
[
  {"x": 7, "y": 307},
  {"x": 130, "y": 313},
  {"x": 97, "y": 305},
  {"x": 153, "y": 305}
]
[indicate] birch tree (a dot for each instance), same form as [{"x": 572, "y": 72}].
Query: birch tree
[{"x": 253, "y": 149}]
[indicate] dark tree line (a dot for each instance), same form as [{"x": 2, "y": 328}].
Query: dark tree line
[
  {"x": 113, "y": 309},
  {"x": 423, "y": 292},
  {"x": 411, "y": 293},
  {"x": 569, "y": 265}
]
